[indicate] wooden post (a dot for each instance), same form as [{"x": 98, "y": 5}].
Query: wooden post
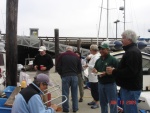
[
  {"x": 78, "y": 44},
  {"x": 11, "y": 42},
  {"x": 56, "y": 45},
  {"x": 41, "y": 42},
  {"x": 91, "y": 41},
  {"x": 0, "y": 36}
]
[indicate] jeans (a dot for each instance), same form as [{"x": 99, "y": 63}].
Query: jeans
[
  {"x": 108, "y": 95},
  {"x": 129, "y": 100},
  {"x": 67, "y": 82}
]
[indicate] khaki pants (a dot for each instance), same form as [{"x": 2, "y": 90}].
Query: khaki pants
[
  {"x": 80, "y": 84},
  {"x": 45, "y": 72}
]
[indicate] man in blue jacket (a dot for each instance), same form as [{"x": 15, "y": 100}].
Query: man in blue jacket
[{"x": 29, "y": 99}]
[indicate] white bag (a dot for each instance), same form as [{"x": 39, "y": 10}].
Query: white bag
[{"x": 86, "y": 73}]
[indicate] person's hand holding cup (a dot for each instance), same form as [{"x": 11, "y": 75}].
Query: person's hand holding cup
[
  {"x": 41, "y": 67},
  {"x": 109, "y": 70}
]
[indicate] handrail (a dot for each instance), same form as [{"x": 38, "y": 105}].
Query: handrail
[
  {"x": 51, "y": 91},
  {"x": 57, "y": 98},
  {"x": 67, "y": 39},
  {"x": 52, "y": 87}
]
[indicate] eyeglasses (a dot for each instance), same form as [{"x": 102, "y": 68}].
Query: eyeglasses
[{"x": 44, "y": 83}]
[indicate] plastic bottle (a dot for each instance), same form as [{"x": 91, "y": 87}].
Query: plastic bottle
[{"x": 23, "y": 83}]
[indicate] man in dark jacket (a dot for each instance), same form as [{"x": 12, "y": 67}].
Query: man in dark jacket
[
  {"x": 43, "y": 61},
  {"x": 129, "y": 73},
  {"x": 69, "y": 66}
]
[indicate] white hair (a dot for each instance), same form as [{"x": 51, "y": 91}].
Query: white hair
[
  {"x": 94, "y": 47},
  {"x": 69, "y": 48},
  {"x": 129, "y": 34}
]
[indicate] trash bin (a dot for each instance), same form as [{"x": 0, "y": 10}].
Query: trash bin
[{"x": 8, "y": 90}]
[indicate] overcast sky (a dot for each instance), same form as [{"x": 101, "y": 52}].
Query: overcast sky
[{"x": 78, "y": 18}]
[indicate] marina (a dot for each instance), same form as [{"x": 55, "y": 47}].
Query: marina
[
  {"x": 55, "y": 77},
  {"x": 20, "y": 50}
]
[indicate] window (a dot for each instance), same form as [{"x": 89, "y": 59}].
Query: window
[{"x": 146, "y": 66}]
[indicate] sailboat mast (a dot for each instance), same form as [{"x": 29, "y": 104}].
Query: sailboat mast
[
  {"x": 99, "y": 22},
  {"x": 124, "y": 15},
  {"x": 107, "y": 17}
]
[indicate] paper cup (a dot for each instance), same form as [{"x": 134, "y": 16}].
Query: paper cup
[{"x": 41, "y": 66}]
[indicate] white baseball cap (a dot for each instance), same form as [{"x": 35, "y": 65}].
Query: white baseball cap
[{"x": 42, "y": 48}]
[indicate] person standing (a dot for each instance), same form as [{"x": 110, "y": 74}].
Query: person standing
[
  {"x": 80, "y": 77},
  {"x": 86, "y": 81},
  {"x": 43, "y": 62},
  {"x": 69, "y": 66},
  {"x": 28, "y": 100},
  {"x": 129, "y": 73},
  {"x": 93, "y": 80},
  {"x": 107, "y": 86}
]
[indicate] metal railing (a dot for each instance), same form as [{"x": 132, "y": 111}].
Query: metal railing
[{"x": 50, "y": 46}]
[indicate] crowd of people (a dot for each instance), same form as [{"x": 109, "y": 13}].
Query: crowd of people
[{"x": 105, "y": 73}]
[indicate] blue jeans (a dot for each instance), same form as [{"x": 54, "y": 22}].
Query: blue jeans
[
  {"x": 129, "y": 100},
  {"x": 67, "y": 82},
  {"x": 108, "y": 94}
]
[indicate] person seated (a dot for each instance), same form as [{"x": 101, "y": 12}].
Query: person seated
[{"x": 28, "y": 100}]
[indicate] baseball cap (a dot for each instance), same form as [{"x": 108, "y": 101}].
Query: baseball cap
[
  {"x": 105, "y": 46},
  {"x": 43, "y": 78},
  {"x": 42, "y": 48}
]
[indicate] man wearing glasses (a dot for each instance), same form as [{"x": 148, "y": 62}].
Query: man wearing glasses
[{"x": 29, "y": 100}]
